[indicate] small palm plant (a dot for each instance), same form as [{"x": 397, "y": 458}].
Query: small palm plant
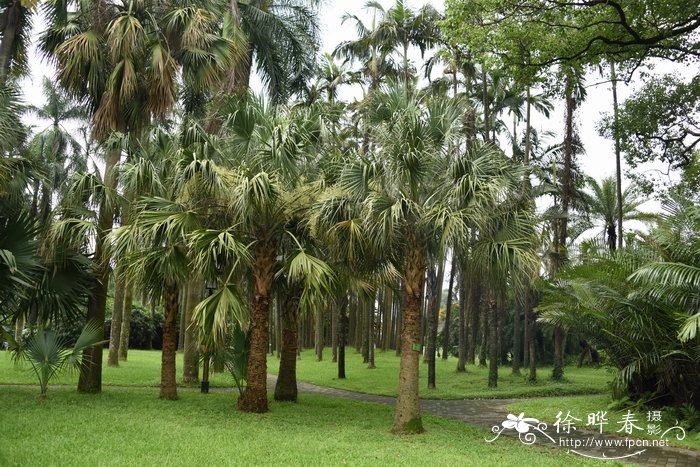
[{"x": 49, "y": 354}]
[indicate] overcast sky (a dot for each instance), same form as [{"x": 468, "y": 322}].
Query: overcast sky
[{"x": 598, "y": 160}]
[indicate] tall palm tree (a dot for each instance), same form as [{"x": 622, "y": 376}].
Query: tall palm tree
[
  {"x": 54, "y": 148},
  {"x": 123, "y": 59},
  {"x": 279, "y": 37},
  {"x": 602, "y": 206},
  {"x": 409, "y": 194},
  {"x": 263, "y": 196}
]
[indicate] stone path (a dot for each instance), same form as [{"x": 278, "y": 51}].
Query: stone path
[{"x": 486, "y": 413}]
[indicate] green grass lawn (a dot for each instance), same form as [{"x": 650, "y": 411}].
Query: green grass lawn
[
  {"x": 134, "y": 427},
  {"x": 450, "y": 384},
  {"x": 143, "y": 369},
  {"x": 546, "y": 409}
]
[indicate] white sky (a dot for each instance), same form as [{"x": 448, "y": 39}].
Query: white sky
[{"x": 598, "y": 160}]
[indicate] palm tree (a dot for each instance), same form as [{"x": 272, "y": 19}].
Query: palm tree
[
  {"x": 282, "y": 38},
  {"x": 11, "y": 127},
  {"x": 48, "y": 353},
  {"x": 15, "y": 25},
  {"x": 602, "y": 206},
  {"x": 409, "y": 195},
  {"x": 56, "y": 151},
  {"x": 123, "y": 60},
  {"x": 263, "y": 197}
]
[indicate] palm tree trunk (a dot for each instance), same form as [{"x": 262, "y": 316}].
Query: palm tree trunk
[
  {"x": 168, "y": 383},
  {"x": 181, "y": 315},
  {"x": 286, "y": 387},
  {"x": 474, "y": 303},
  {"x": 493, "y": 341},
  {"x": 334, "y": 337},
  {"x": 435, "y": 279},
  {"x": 11, "y": 19},
  {"x": 448, "y": 314},
  {"x": 126, "y": 321},
  {"x": 116, "y": 326},
  {"x": 190, "y": 368},
  {"x": 342, "y": 304},
  {"x": 462, "y": 351},
  {"x": 90, "y": 380},
  {"x": 516, "y": 338},
  {"x": 254, "y": 398},
  {"x": 370, "y": 336},
  {"x": 618, "y": 162},
  {"x": 566, "y": 192},
  {"x": 485, "y": 99},
  {"x": 19, "y": 328},
  {"x": 388, "y": 316},
  {"x": 484, "y": 334},
  {"x": 399, "y": 327},
  {"x": 532, "y": 335},
  {"x": 318, "y": 334},
  {"x": 407, "y": 417}
]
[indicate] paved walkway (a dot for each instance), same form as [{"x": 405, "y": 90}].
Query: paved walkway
[{"x": 487, "y": 413}]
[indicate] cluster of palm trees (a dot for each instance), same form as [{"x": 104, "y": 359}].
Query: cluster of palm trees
[{"x": 297, "y": 202}]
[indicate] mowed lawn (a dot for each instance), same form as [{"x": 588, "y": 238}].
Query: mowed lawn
[
  {"x": 134, "y": 427},
  {"x": 143, "y": 369},
  {"x": 449, "y": 384}
]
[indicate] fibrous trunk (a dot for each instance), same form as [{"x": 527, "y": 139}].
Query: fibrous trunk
[
  {"x": 286, "y": 387},
  {"x": 493, "y": 342},
  {"x": 116, "y": 325},
  {"x": 126, "y": 322},
  {"x": 254, "y": 398},
  {"x": 168, "y": 384},
  {"x": 407, "y": 417},
  {"x": 90, "y": 380},
  {"x": 190, "y": 368}
]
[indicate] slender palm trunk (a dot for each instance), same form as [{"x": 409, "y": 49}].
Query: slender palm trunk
[
  {"x": 126, "y": 321},
  {"x": 254, "y": 398},
  {"x": 532, "y": 335},
  {"x": 435, "y": 279},
  {"x": 168, "y": 383},
  {"x": 334, "y": 337},
  {"x": 485, "y": 321},
  {"x": 370, "y": 336},
  {"x": 566, "y": 192},
  {"x": 318, "y": 334},
  {"x": 407, "y": 417},
  {"x": 190, "y": 367},
  {"x": 286, "y": 387},
  {"x": 618, "y": 162},
  {"x": 474, "y": 303},
  {"x": 342, "y": 304},
  {"x": 493, "y": 340},
  {"x": 116, "y": 326},
  {"x": 90, "y": 380},
  {"x": 462, "y": 351},
  {"x": 516, "y": 339},
  {"x": 448, "y": 314}
]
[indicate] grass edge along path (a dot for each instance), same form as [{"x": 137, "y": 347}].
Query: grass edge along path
[
  {"x": 143, "y": 369},
  {"x": 120, "y": 426}
]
